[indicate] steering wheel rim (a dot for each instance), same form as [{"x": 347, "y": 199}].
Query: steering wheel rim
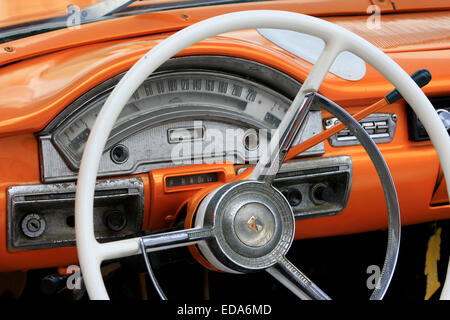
[{"x": 337, "y": 39}]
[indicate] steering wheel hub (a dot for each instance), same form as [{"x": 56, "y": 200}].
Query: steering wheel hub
[{"x": 253, "y": 226}]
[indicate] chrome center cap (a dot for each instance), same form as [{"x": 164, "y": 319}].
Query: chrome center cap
[{"x": 254, "y": 224}]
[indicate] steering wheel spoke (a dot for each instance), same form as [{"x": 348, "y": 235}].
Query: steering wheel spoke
[
  {"x": 154, "y": 242},
  {"x": 294, "y": 119},
  {"x": 293, "y": 279},
  {"x": 180, "y": 238},
  {"x": 280, "y": 143}
]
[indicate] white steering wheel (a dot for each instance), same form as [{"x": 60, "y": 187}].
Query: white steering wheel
[{"x": 91, "y": 253}]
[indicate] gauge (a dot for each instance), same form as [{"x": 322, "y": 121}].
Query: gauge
[
  {"x": 205, "y": 109},
  {"x": 194, "y": 94}
]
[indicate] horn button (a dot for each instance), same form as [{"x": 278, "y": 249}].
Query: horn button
[{"x": 253, "y": 226}]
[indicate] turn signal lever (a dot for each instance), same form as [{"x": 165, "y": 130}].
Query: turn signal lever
[{"x": 421, "y": 77}]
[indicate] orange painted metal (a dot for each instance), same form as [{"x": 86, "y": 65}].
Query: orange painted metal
[
  {"x": 172, "y": 20},
  {"x": 156, "y": 22},
  {"x": 67, "y": 63},
  {"x": 402, "y": 33},
  {"x": 167, "y": 202}
]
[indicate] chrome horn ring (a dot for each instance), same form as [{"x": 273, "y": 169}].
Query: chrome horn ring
[{"x": 253, "y": 226}]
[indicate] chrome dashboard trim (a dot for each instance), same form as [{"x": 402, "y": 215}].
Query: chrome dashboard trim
[{"x": 55, "y": 203}]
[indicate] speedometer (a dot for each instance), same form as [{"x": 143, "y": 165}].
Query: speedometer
[
  {"x": 165, "y": 92},
  {"x": 172, "y": 109}
]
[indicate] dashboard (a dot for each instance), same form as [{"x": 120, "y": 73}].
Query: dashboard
[
  {"x": 206, "y": 106},
  {"x": 195, "y": 110}
]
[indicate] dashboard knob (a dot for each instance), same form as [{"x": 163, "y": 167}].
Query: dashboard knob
[
  {"x": 119, "y": 154},
  {"x": 33, "y": 225},
  {"x": 321, "y": 193},
  {"x": 293, "y": 195},
  {"x": 115, "y": 220}
]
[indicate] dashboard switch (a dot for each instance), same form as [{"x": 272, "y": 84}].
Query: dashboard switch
[
  {"x": 321, "y": 193},
  {"x": 33, "y": 225},
  {"x": 380, "y": 126},
  {"x": 293, "y": 195}
]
